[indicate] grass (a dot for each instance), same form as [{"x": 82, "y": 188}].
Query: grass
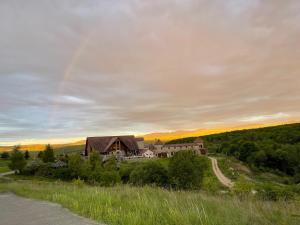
[
  {"x": 126, "y": 205},
  {"x": 4, "y": 166}
]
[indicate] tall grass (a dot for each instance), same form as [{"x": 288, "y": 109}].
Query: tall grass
[{"x": 126, "y": 205}]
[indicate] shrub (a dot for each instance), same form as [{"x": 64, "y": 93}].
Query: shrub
[
  {"x": 150, "y": 173},
  {"x": 75, "y": 165},
  {"x": 186, "y": 170},
  {"x": 104, "y": 177},
  {"x": 62, "y": 174},
  {"x": 243, "y": 188},
  {"x": 78, "y": 182},
  {"x": 275, "y": 193},
  {"x": 48, "y": 154},
  {"x": 32, "y": 168},
  {"x": 125, "y": 171},
  {"x": 109, "y": 178},
  {"x": 4, "y": 155},
  {"x": 95, "y": 160},
  {"x": 17, "y": 160},
  {"x": 111, "y": 163},
  {"x": 45, "y": 170}
]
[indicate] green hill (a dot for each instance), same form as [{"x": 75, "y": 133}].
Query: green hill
[{"x": 273, "y": 149}]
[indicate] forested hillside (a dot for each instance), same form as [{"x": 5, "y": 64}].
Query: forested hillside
[{"x": 274, "y": 149}]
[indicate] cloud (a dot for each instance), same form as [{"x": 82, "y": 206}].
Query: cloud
[{"x": 76, "y": 68}]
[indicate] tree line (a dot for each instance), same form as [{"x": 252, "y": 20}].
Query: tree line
[{"x": 274, "y": 149}]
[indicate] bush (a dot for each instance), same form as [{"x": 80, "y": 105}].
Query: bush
[
  {"x": 125, "y": 171},
  {"x": 111, "y": 163},
  {"x": 62, "y": 174},
  {"x": 186, "y": 170},
  {"x": 95, "y": 160},
  {"x": 45, "y": 170},
  {"x": 109, "y": 178},
  {"x": 104, "y": 177},
  {"x": 32, "y": 168},
  {"x": 243, "y": 188},
  {"x": 275, "y": 193},
  {"x": 75, "y": 165},
  {"x": 4, "y": 155},
  {"x": 149, "y": 173}
]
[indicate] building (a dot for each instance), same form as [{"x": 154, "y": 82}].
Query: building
[
  {"x": 121, "y": 146},
  {"x": 168, "y": 150},
  {"x": 147, "y": 154}
]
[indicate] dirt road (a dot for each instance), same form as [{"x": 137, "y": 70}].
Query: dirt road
[{"x": 224, "y": 180}]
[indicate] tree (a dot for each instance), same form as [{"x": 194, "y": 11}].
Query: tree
[
  {"x": 4, "y": 155},
  {"x": 186, "y": 170},
  {"x": 26, "y": 155},
  {"x": 48, "y": 154},
  {"x": 17, "y": 160},
  {"x": 40, "y": 155}
]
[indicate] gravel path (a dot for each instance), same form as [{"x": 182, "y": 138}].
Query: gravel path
[
  {"x": 15, "y": 210},
  {"x": 7, "y": 173},
  {"x": 224, "y": 180}
]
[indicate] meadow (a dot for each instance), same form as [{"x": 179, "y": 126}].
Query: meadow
[
  {"x": 4, "y": 166},
  {"x": 127, "y": 205}
]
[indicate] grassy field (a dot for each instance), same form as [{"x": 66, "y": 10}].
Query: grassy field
[
  {"x": 4, "y": 166},
  {"x": 126, "y": 205}
]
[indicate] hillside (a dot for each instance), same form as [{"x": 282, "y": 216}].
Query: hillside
[
  {"x": 275, "y": 149},
  {"x": 41, "y": 147}
]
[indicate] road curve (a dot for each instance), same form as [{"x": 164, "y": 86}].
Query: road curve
[{"x": 224, "y": 180}]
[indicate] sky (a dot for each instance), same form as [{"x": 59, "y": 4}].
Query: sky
[{"x": 71, "y": 68}]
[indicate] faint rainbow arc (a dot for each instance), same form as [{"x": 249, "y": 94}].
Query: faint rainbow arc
[{"x": 68, "y": 72}]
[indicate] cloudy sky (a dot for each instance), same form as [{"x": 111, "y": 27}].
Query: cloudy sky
[{"x": 72, "y": 68}]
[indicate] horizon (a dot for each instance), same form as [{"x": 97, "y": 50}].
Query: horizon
[
  {"x": 163, "y": 136},
  {"x": 72, "y": 69}
]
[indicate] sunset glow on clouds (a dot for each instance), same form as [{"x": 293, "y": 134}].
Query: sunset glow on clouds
[{"x": 73, "y": 68}]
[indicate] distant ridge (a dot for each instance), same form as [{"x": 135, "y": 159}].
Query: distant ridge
[
  {"x": 167, "y": 136},
  {"x": 164, "y": 136}
]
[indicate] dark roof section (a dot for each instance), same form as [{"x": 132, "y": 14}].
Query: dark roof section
[
  {"x": 103, "y": 143},
  {"x": 138, "y": 139}
]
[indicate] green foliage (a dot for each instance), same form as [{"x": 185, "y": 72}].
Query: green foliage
[
  {"x": 111, "y": 163},
  {"x": 75, "y": 165},
  {"x": 4, "y": 155},
  {"x": 186, "y": 170},
  {"x": 127, "y": 205},
  {"x": 243, "y": 188},
  {"x": 275, "y": 149},
  {"x": 17, "y": 160},
  {"x": 275, "y": 193},
  {"x": 48, "y": 154},
  {"x": 26, "y": 155},
  {"x": 95, "y": 160},
  {"x": 32, "y": 167},
  {"x": 152, "y": 172}
]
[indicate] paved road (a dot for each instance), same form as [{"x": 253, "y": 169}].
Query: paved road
[
  {"x": 15, "y": 210},
  {"x": 224, "y": 180}
]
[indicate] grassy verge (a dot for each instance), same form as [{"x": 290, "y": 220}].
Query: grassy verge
[
  {"x": 126, "y": 205},
  {"x": 4, "y": 166}
]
